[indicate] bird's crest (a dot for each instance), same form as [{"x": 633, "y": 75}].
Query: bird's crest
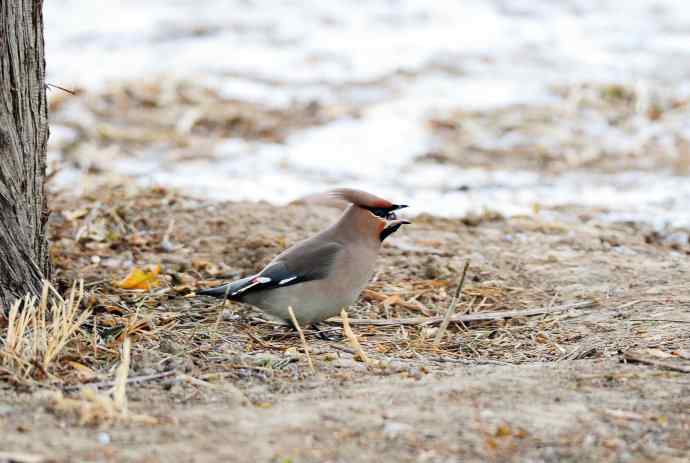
[
  {"x": 360, "y": 198},
  {"x": 377, "y": 206}
]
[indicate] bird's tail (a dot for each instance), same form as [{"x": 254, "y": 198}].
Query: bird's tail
[
  {"x": 218, "y": 291},
  {"x": 226, "y": 291}
]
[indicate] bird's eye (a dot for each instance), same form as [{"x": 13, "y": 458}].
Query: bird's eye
[{"x": 391, "y": 216}]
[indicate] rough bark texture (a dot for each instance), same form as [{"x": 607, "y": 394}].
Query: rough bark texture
[{"x": 24, "y": 261}]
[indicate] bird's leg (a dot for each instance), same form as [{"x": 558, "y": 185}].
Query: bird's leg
[{"x": 282, "y": 331}]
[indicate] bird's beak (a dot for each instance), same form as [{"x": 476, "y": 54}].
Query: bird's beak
[
  {"x": 397, "y": 223},
  {"x": 395, "y": 207}
]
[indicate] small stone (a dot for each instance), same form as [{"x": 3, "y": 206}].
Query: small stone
[
  {"x": 103, "y": 438},
  {"x": 167, "y": 246},
  {"x": 393, "y": 429},
  {"x": 229, "y": 316}
]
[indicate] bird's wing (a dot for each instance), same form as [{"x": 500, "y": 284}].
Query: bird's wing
[
  {"x": 307, "y": 261},
  {"x": 304, "y": 262}
]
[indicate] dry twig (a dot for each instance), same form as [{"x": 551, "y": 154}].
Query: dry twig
[
  {"x": 633, "y": 356},
  {"x": 301, "y": 336},
  {"x": 481, "y": 316},
  {"x": 119, "y": 391},
  {"x": 658, "y": 320},
  {"x": 354, "y": 342},
  {"x": 451, "y": 308}
]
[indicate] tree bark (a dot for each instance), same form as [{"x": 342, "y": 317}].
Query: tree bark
[{"x": 24, "y": 257}]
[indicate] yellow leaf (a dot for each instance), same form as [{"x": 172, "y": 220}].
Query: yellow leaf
[
  {"x": 141, "y": 279},
  {"x": 503, "y": 430}
]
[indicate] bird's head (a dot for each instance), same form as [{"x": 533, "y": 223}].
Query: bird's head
[{"x": 372, "y": 215}]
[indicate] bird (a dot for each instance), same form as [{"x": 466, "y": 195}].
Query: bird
[{"x": 321, "y": 275}]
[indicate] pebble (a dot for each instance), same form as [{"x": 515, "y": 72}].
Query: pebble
[
  {"x": 167, "y": 246},
  {"x": 103, "y": 438},
  {"x": 229, "y": 315},
  {"x": 393, "y": 429}
]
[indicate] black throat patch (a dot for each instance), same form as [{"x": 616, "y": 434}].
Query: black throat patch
[{"x": 389, "y": 230}]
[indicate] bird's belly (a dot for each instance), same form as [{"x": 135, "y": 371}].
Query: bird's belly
[
  {"x": 318, "y": 300},
  {"x": 311, "y": 302}
]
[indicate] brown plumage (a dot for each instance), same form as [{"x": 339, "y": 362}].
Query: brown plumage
[{"x": 321, "y": 275}]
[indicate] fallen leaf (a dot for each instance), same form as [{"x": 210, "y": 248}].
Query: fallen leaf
[
  {"x": 503, "y": 430},
  {"x": 141, "y": 279}
]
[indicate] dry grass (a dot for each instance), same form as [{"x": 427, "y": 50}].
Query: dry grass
[
  {"x": 305, "y": 346},
  {"x": 40, "y": 329},
  {"x": 94, "y": 408},
  {"x": 352, "y": 338}
]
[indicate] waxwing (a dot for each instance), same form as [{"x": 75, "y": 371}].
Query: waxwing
[{"x": 323, "y": 274}]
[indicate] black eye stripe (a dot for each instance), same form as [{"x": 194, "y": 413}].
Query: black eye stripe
[{"x": 378, "y": 211}]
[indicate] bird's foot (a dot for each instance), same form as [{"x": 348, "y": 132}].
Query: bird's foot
[{"x": 327, "y": 333}]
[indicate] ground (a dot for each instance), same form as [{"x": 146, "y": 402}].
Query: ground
[{"x": 606, "y": 380}]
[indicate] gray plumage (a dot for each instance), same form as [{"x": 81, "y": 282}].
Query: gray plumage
[{"x": 319, "y": 276}]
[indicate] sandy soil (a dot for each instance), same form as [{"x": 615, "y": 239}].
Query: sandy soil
[{"x": 560, "y": 386}]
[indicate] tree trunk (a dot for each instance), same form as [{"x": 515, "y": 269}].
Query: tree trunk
[{"x": 24, "y": 259}]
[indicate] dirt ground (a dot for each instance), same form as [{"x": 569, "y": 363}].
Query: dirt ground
[{"x": 606, "y": 381}]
